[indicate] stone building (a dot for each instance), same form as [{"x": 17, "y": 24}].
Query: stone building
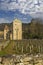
[
  {"x": 12, "y": 31},
  {"x": 17, "y": 30}
]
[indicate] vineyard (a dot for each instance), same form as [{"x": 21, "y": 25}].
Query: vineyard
[{"x": 31, "y": 46}]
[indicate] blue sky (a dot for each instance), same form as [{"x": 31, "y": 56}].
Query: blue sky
[{"x": 24, "y": 10}]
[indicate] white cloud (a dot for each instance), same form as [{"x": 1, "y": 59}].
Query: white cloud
[
  {"x": 37, "y": 15},
  {"x": 31, "y": 6},
  {"x": 24, "y": 6},
  {"x": 21, "y": 0},
  {"x": 3, "y": 20},
  {"x": 12, "y": 6}
]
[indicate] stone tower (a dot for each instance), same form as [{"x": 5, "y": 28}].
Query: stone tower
[
  {"x": 6, "y": 29},
  {"x": 17, "y": 30}
]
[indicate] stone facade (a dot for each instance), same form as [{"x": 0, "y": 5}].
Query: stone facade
[
  {"x": 6, "y": 29},
  {"x": 16, "y": 33},
  {"x": 17, "y": 30}
]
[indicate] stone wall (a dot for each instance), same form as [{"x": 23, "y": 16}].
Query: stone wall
[
  {"x": 21, "y": 60},
  {"x": 6, "y": 29}
]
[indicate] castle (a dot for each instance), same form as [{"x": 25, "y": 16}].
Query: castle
[{"x": 13, "y": 31}]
